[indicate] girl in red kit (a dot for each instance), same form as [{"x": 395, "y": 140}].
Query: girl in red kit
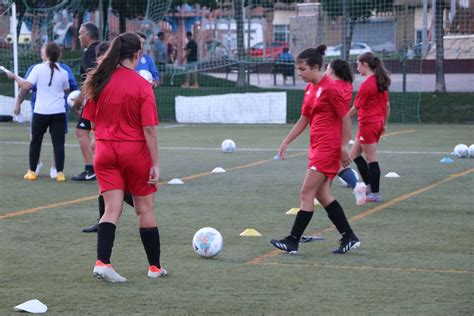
[
  {"x": 372, "y": 109},
  {"x": 325, "y": 111},
  {"x": 121, "y": 104},
  {"x": 340, "y": 71}
]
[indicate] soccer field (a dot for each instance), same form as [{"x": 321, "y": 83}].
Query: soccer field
[{"x": 416, "y": 255}]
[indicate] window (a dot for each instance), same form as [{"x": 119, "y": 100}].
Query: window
[
  {"x": 418, "y": 36},
  {"x": 281, "y": 33}
]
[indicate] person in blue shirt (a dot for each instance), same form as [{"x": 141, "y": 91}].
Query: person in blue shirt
[
  {"x": 23, "y": 94},
  {"x": 286, "y": 56},
  {"x": 286, "y": 64},
  {"x": 147, "y": 63}
]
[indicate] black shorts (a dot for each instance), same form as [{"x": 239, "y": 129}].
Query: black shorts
[{"x": 83, "y": 123}]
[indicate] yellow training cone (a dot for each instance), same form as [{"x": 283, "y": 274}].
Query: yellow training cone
[
  {"x": 293, "y": 211},
  {"x": 250, "y": 232}
]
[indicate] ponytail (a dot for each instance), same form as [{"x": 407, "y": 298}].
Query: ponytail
[
  {"x": 312, "y": 56},
  {"x": 53, "y": 54},
  {"x": 123, "y": 47},
  {"x": 377, "y": 66}
]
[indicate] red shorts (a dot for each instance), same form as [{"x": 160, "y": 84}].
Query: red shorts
[
  {"x": 370, "y": 133},
  {"x": 123, "y": 166},
  {"x": 325, "y": 162}
]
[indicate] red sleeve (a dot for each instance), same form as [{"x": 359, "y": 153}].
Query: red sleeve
[
  {"x": 337, "y": 100},
  {"x": 307, "y": 106},
  {"x": 362, "y": 95},
  {"x": 89, "y": 110},
  {"x": 148, "y": 111}
]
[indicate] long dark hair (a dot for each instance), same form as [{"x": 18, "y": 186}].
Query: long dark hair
[
  {"x": 377, "y": 66},
  {"x": 342, "y": 70},
  {"x": 122, "y": 47},
  {"x": 52, "y": 52},
  {"x": 312, "y": 56}
]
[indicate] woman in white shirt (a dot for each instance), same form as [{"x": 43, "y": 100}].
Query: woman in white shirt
[{"x": 52, "y": 83}]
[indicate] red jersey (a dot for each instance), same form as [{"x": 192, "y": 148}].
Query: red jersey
[
  {"x": 370, "y": 103},
  {"x": 325, "y": 106},
  {"x": 124, "y": 107},
  {"x": 346, "y": 90}
]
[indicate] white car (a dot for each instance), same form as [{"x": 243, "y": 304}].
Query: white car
[{"x": 356, "y": 49}]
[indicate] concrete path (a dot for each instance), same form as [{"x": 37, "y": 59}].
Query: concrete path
[{"x": 414, "y": 82}]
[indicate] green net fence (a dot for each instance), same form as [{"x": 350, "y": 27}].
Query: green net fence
[{"x": 239, "y": 46}]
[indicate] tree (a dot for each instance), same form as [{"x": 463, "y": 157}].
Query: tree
[
  {"x": 128, "y": 10},
  {"x": 20, "y": 12},
  {"x": 353, "y": 11},
  {"x": 239, "y": 19},
  {"x": 439, "y": 34}
]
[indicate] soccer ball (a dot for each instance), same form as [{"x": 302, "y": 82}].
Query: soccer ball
[
  {"x": 461, "y": 151},
  {"x": 208, "y": 242},
  {"x": 228, "y": 146},
  {"x": 146, "y": 75},
  {"x": 471, "y": 151},
  {"x": 344, "y": 183},
  {"x": 71, "y": 98}
]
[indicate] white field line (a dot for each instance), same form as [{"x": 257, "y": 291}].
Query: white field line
[{"x": 247, "y": 149}]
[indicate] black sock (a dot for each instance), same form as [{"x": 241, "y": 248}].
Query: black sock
[
  {"x": 374, "y": 172},
  {"x": 128, "y": 198},
  {"x": 105, "y": 241},
  {"x": 151, "y": 242},
  {"x": 363, "y": 169},
  {"x": 90, "y": 168},
  {"x": 338, "y": 218},
  {"x": 301, "y": 222},
  {"x": 349, "y": 177},
  {"x": 101, "y": 206}
]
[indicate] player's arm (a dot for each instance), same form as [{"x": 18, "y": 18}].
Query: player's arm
[
  {"x": 293, "y": 134},
  {"x": 387, "y": 115},
  {"x": 346, "y": 137},
  {"x": 341, "y": 109},
  {"x": 19, "y": 100},
  {"x": 21, "y": 82},
  {"x": 152, "y": 143},
  {"x": 353, "y": 112}
]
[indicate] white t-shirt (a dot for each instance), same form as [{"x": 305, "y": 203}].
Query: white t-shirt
[{"x": 49, "y": 99}]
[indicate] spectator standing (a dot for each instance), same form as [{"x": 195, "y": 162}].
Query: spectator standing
[
  {"x": 89, "y": 38},
  {"x": 191, "y": 54}
]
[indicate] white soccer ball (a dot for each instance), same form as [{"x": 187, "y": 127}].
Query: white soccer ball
[
  {"x": 71, "y": 98},
  {"x": 461, "y": 151},
  {"x": 344, "y": 183},
  {"x": 228, "y": 146},
  {"x": 471, "y": 151},
  {"x": 146, "y": 75},
  {"x": 208, "y": 242}
]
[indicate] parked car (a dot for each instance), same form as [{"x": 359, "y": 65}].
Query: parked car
[
  {"x": 356, "y": 49},
  {"x": 267, "y": 51}
]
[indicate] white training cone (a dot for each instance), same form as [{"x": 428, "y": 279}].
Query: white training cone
[
  {"x": 218, "y": 170},
  {"x": 351, "y": 142},
  {"x": 392, "y": 175},
  {"x": 31, "y": 306},
  {"x": 175, "y": 181}
]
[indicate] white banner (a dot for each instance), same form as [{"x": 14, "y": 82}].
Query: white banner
[
  {"x": 8, "y": 103},
  {"x": 235, "y": 108}
]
